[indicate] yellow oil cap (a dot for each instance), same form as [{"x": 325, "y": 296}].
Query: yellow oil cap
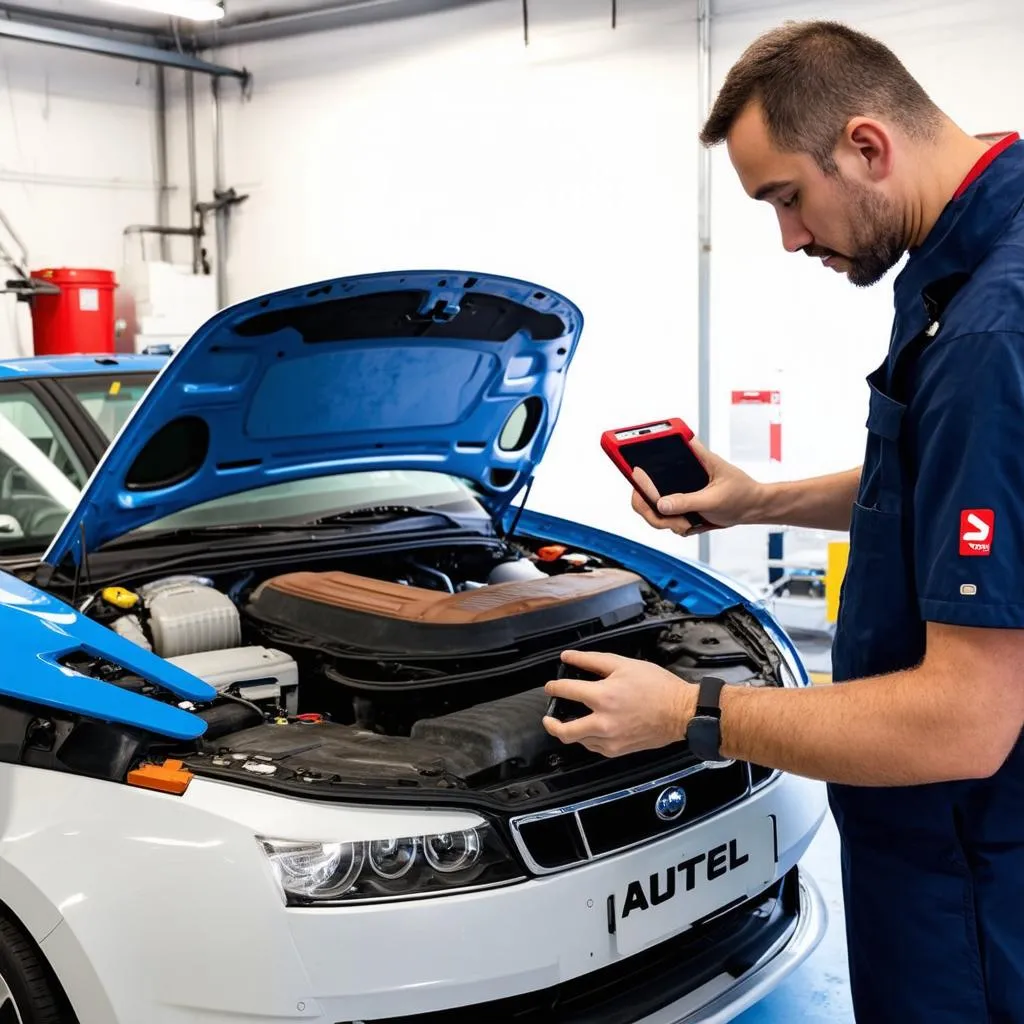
[{"x": 120, "y": 598}]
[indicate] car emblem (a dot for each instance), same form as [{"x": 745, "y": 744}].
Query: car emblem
[{"x": 670, "y": 804}]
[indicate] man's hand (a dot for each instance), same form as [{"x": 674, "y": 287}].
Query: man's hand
[
  {"x": 635, "y": 705},
  {"x": 730, "y": 498}
]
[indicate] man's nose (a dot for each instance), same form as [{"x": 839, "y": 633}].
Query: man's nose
[{"x": 794, "y": 235}]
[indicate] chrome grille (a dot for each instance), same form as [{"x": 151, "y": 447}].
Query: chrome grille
[{"x": 563, "y": 837}]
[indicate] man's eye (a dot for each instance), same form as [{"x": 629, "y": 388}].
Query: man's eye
[{"x": 789, "y": 201}]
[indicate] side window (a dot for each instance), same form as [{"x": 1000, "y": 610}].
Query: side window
[{"x": 32, "y": 446}]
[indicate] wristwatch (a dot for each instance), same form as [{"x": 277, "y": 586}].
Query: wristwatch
[{"x": 704, "y": 733}]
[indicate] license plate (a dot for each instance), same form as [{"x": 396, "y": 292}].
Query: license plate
[{"x": 708, "y": 870}]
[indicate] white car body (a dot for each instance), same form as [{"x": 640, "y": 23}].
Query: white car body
[
  {"x": 162, "y": 909},
  {"x": 169, "y": 905}
]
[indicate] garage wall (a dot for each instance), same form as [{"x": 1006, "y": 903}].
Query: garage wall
[
  {"x": 77, "y": 149},
  {"x": 443, "y": 141},
  {"x": 780, "y": 319}
]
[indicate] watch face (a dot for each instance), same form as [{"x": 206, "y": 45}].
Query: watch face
[{"x": 702, "y": 736}]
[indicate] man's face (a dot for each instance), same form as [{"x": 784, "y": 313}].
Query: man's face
[{"x": 848, "y": 223}]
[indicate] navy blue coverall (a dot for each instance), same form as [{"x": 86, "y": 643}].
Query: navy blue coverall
[{"x": 933, "y": 875}]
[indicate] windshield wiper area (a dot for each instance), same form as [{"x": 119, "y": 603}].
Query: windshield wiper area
[
  {"x": 337, "y": 522},
  {"x": 188, "y": 533},
  {"x": 386, "y": 513}
]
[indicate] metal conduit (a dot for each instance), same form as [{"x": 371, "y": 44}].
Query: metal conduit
[{"x": 704, "y": 246}]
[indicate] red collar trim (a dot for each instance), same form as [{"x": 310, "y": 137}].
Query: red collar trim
[{"x": 984, "y": 160}]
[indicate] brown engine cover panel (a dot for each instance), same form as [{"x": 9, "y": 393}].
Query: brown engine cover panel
[{"x": 414, "y": 604}]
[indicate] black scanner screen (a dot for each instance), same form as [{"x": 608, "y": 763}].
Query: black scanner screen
[{"x": 669, "y": 462}]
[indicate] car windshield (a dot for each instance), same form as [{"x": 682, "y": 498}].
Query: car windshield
[
  {"x": 109, "y": 400},
  {"x": 304, "y": 501}
]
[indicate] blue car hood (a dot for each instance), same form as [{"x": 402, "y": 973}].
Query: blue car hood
[{"x": 445, "y": 371}]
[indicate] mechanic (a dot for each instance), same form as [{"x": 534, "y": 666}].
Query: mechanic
[{"x": 921, "y": 745}]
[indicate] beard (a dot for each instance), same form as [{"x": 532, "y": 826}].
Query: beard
[{"x": 877, "y": 238}]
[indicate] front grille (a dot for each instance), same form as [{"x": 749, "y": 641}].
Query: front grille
[
  {"x": 640, "y": 985},
  {"x": 759, "y": 775},
  {"x": 561, "y": 838}
]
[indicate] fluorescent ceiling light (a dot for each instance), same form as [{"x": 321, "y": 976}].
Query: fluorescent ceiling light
[{"x": 193, "y": 10}]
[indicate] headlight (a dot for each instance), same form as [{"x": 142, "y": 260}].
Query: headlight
[
  {"x": 316, "y": 870},
  {"x": 402, "y": 868},
  {"x": 793, "y": 672}
]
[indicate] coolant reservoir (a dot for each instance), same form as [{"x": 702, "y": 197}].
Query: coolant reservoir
[{"x": 509, "y": 572}]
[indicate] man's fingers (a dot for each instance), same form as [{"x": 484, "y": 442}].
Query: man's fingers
[
  {"x": 703, "y": 454},
  {"x": 578, "y": 731},
  {"x": 641, "y": 506},
  {"x": 599, "y": 663},
  {"x": 646, "y": 484},
  {"x": 580, "y": 690},
  {"x": 675, "y": 505},
  {"x": 678, "y": 524}
]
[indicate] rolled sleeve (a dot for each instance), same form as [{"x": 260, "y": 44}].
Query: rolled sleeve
[{"x": 968, "y": 489}]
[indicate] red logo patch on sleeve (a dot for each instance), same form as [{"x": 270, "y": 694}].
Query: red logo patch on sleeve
[{"x": 976, "y": 528}]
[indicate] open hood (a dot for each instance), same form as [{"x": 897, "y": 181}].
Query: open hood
[{"x": 451, "y": 372}]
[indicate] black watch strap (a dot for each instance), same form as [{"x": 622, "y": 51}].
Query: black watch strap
[
  {"x": 708, "y": 695},
  {"x": 704, "y": 733}
]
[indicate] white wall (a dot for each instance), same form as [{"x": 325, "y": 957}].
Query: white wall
[
  {"x": 782, "y": 318},
  {"x": 77, "y": 162},
  {"x": 442, "y": 141}
]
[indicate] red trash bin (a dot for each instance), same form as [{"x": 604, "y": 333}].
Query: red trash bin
[{"x": 78, "y": 320}]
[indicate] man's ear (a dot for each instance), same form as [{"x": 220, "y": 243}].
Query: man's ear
[{"x": 870, "y": 144}]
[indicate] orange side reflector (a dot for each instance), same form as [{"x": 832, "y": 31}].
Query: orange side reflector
[{"x": 170, "y": 777}]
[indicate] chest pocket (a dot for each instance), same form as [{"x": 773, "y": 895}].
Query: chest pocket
[{"x": 881, "y": 487}]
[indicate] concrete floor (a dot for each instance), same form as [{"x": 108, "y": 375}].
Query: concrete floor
[{"x": 819, "y": 991}]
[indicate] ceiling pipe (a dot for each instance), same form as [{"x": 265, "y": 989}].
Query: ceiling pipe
[
  {"x": 36, "y": 16},
  {"x": 221, "y": 211},
  {"x": 163, "y": 199},
  {"x": 319, "y": 17},
  {"x": 107, "y": 46}
]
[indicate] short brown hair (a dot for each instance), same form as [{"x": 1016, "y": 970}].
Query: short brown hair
[{"x": 811, "y": 78}]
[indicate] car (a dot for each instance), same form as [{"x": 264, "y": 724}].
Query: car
[
  {"x": 271, "y": 710},
  {"x": 57, "y": 417}
]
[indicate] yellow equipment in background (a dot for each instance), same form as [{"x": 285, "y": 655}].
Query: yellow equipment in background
[{"x": 835, "y": 571}]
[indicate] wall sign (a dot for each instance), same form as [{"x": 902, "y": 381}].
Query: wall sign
[{"x": 755, "y": 426}]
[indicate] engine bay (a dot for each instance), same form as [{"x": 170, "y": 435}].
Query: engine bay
[{"x": 416, "y": 670}]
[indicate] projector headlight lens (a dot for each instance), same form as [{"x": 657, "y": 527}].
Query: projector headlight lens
[
  {"x": 393, "y": 858},
  {"x": 390, "y": 868},
  {"x": 452, "y": 851}
]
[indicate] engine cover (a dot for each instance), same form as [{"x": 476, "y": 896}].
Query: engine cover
[
  {"x": 330, "y": 749},
  {"x": 374, "y": 615},
  {"x": 493, "y": 736}
]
